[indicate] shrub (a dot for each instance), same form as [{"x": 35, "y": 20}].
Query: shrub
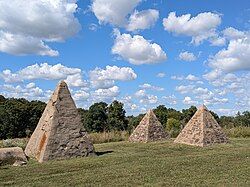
[
  {"x": 173, "y": 127},
  {"x": 113, "y": 136},
  {"x": 238, "y": 132}
]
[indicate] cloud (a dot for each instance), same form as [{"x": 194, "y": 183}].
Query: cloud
[
  {"x": 184, "y": 89},
  {"x": 76, "y": 80},
  {"x": 188, "y": 101},
  {"x": 186, "y": 56},
  {"x": 80, "y": 95},
  {"x": 191, "y": 77},
  {"x": 105, "y": 78},
  {"x": 234, "y": 58},
  {"x": 129, "y": 104},
  {"x": 172, "y": 100},
  {"x": 233, "y": 34},
  {"x": 226, "y": 111},
  {"x": 29, "y": 91},
  {"x": 201, "y": 91},
  {"x": 151, "y": 87},
  {"x": 25, "y": 28},
  {"x": 201, "y": 27},
  {"x": 149, "y": 99},
  {"x": 93, "y": 27},
  {"x": 24, "y": 45},
  {"x": 161, "y": 75},
  {"x": 145, "y": 98},
  {"x": 215, "y": 100},
  {"x": 46, "y": 72},
  {"x": 106, "y": 11},
  {"x": 175, "y": 77},
  {"x": 106, "y": 94},
  {"x": 142, "y": 20},
  {"x": 212, "y": 75},
  {"x": 122, "y": 13},
  {"x": 137, "y": 50}
]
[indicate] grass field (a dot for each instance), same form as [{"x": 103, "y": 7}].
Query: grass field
[{"x": 152, "y": 164}]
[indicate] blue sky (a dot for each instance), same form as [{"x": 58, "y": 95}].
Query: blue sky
[{"x": 141, "y": 52}]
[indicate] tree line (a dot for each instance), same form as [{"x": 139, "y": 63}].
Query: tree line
[{"x": 19, "y": 117}]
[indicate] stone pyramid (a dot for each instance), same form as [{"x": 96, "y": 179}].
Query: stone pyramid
[
  {"x": 149, "y": 129},
  {"x": 202, "y": 130},
  {"x": 59, "y": 133}
]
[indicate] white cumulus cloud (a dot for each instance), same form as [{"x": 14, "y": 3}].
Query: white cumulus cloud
[
  {"x": 45, "y": 71},
  {"x": 187, "y": 56},
  {"x": 105, "y": 78},
  {"x": 191, "y": 77},
  {"x": 137, "y": 50},
  {"x": 188, "y": 101},
  {"x": 26, "y": 25},
  {"x": 115, "y": 13},
  {"x": 107, "y": 95},
  {"x": 201, "y": 27},
  {"x": 161, "y": 75},
  {"x": 234, "y": 58},
  {"x": 151, "y": 87},
  {"x": 142, "y": 20}
]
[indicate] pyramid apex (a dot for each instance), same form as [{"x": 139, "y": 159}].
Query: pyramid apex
[
  {"x": 150, "y": 111},
  {"x": 62, "y": 83},
  {"x": 203, "y": 107}
]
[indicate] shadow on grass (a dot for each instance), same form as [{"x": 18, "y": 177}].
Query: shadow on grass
[{"x": 103, "y": 153}]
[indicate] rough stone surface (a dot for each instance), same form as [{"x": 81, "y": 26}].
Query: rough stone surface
[
  {"x": 59, "y": 133},
  {"x": 202, "y": 130},
  {"x": 12, "y": 155},
  {"x": 149, "y": 129}
]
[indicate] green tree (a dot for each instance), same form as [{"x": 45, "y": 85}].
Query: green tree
[
  {"x": 95, "y": 119},
  {"x": 226, "y": 121},
  {"x": 187, "y": 114},
  {"x": 133, "y": 121},
  {"x": 2, "y": 99},
  {"x": 161, "y": 113},
  {"x": 116, "y": 116},
  {"x": 216, "y": 117},
  {"x": 19, "y": 116},
  {"x": 173, "y": 126}
]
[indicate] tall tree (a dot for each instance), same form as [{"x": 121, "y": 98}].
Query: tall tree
[
  {"x": 116, "y": 116},
  {"x": 161, "y": 113},
  {"x": 133, "y": 121},
  {"x": 2, "y": 99},
  {"x": 187, "y": 114},
  {"x": 19, "y": 117},
  {"x": 95, "y": 119}
]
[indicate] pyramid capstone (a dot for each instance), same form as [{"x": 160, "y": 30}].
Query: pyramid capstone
[
  {"x": 59, "y": 133},
  {"x": 148, "y": 130}
]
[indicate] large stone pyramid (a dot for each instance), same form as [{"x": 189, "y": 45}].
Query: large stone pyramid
[
  {"x": 202, "y": 130},
  {"x": 149, "y": 129},
  {"x": 59, "y": 133}
]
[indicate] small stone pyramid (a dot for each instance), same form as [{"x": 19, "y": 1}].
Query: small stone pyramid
[
  {"x": 149, "y": 130},
  {"x": 202, "y": 130},
  {"x": 59, "y": 133}
]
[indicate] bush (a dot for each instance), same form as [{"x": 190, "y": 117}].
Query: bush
[
  {"x": 113, "y": 136},
  {"x": 173, "y": 127},
  {"x": 238, "y": 132}
]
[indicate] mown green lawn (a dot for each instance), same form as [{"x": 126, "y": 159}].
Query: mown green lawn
[{"x": 152, "y": 164}]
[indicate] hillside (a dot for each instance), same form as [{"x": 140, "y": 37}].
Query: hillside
[{"x": 157, "y": 164}]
